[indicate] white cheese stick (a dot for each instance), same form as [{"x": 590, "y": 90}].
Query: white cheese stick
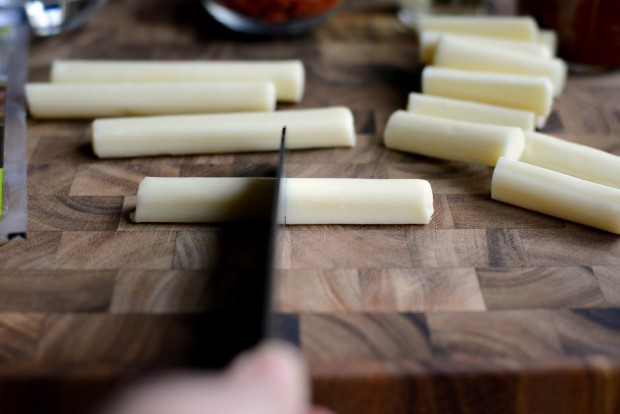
[
  {"x": 573, "y": 159},
  {"x": 469, "y": 111},
  {"x": 288, "y": 76},
  {"x": 556, "y": 194},
  {"x": 90, "y": 100},
  {"x": 304, "y": 200},
  {"x": 428, "y": 41},
  {"x": 459, "y": 54},
  {"x": 515, "y": 28},
  {"x": 222, "y": 133},
  {"x": 528, "y": 93},
  {"x": 452, "y": 140}
]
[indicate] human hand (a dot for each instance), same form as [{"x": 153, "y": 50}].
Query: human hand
[{"x": 269, "y": 380}]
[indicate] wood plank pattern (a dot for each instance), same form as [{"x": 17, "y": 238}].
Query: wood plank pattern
[
  {"x": 56, "y": 290},
  {"x": 489, "y": 308},
  {"x": 541, "y": 287}
]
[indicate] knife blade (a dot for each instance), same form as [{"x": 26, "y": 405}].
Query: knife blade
[
  {"x": 277, "y": 212},
  {"x": 239, "y": 308},
  {"x": 14, "y": 40}
]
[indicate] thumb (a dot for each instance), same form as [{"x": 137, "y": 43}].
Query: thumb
[
  {"x": 269, "y": 380},
  {"x": 274, "y": 378}
]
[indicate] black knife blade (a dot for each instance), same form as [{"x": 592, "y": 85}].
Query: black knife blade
[
  {"x": 238, "y": 309},
  {"x": 272, "y": 247},
  {"x": 14, "y": 41}
]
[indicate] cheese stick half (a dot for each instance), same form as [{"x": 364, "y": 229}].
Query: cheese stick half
[
  {"x": 95, "y": 100},
  {"x": 515, "y": 28},
  {"x": 570, "y": 158},
  {"x": 304, "y": 200},
  {"x": 288, "y": 76},
  {"x": 459, "y": 110},
  {"x": 459, "y": 54},
  {"x": 452, "y": 140},
  {"x": 549, "y": 39},
  {"x": 222, "y": 133},
  {"x": 528, "y": 93},
  {"x": 556, "y": 194},
  {"x": 428, "y": 41}
]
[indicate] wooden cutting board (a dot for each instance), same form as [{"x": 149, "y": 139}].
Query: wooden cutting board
[{"x": 489, "y": 309}]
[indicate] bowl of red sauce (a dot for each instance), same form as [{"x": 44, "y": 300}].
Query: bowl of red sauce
[
  {"x": 272, "y": 17},
  {"x": 588, "y": 30}
]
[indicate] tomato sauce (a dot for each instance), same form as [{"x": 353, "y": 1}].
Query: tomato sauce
[
  {"x": 279, "y": 11},
  {"x": 588, "y": 30}
]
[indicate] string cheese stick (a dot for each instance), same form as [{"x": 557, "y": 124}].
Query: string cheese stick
[
  {"x": 452, "y": 140},
  {"x": 358, "y": 201},
  {"x": 573, "y": 159},
  {"x": 288, "y": 76},
  {"x": 55, "y": 100},
  {"x": 220, "y": 133},
  {"x": 515, "y": 28},
  {"x": 556, "y": 194},
  {"x": 528, "y": 93},
  {"x": 428, "y": 41},
  {"x": 459, "y": 54},
  {"x": 305, "y": 200},
  {"x": 469, "y": 111}
]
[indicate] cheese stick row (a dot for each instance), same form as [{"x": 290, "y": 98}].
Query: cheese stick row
[
  {"x": 532, "y": 170},
  {"x": 288, "y": 76},
  {"x": 476, "y": 50},
  {"x": 303, "y": 200},
  {"x": 482, "y": 98},
  {"x": 96, "y": 89}
]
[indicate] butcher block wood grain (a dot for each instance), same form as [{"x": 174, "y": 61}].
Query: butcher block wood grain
[{"x": 488, "y": 309}]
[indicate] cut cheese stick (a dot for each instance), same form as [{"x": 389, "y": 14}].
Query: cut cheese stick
[
  {"x": 357, "y": 201},
  {"x": 541, "y": 121},
  {"x": 288, "y": 76},
  {"x": 528, "y": 93},
  {"x": 573, "y": 159},
  {"x": 304, "y": 200},
  {"x": 452, "y": 140},
  {"x": 469, "y": 111},
  {"x": 89, "y": 100},
  {"x": 203, "y": 199},
  {"x": 459, "y": 54},
  {"x": 222, "y": 133},
  {"x": 428, "y": 41},
  {"x": 549, "y": 39},
  {"x": 515, "y": 28},
  {"x": 556, "y": 194}
]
